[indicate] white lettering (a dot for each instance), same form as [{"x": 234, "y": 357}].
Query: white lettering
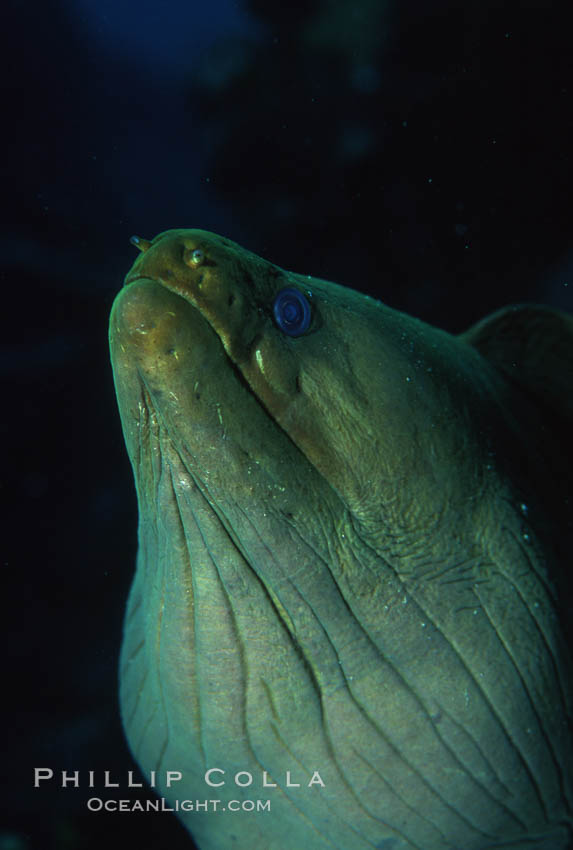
[
  {"x": 131, "y": 783},
  {"x": 173, "y": 776},
  {"x": 38, "y": 771},
  {"x": 243, "y": 773},
  {"x": 208, "y": 777},
  {"x": 267, "y": 784},
  {"x": 72, "y": 778},
  {"x": 289, "y": 783},
  {"x": 316, "y": 779},
  {"x": 107, "y": 782}
]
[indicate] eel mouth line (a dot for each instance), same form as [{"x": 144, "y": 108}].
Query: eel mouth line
[
  {"x": 133, "y": 277},
  {"x": 239, "y": 374},
  {"x": 159, "y": 281}
]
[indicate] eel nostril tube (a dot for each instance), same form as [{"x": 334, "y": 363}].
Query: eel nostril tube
[{"x": 142, "y": 245}]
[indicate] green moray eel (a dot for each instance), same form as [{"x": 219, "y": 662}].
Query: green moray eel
[{"x": 354, "y": 538}]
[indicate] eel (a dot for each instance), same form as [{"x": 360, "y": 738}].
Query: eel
[{"x": 352, "y": 577}]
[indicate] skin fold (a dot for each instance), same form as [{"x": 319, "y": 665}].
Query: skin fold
[{"x": 353, "y": 553}]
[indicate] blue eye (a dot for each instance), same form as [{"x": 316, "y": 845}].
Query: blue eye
[{"x": 292, "y": 312}]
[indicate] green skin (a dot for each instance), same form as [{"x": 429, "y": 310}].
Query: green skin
[{"x": 336, "y": 571}]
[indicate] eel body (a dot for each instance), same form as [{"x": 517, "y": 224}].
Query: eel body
[{"x": 354, "y": 544}]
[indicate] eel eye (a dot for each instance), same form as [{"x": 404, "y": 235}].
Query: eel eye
[
  {"x": 291, "y": 310},
  {"x": 195, "y": 258}
]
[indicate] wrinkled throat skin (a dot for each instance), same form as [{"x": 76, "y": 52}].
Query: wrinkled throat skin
[{"x": 352, "y": 544}]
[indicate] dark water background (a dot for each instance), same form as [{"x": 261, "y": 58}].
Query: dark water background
[{"x": 417, "y": 150}]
